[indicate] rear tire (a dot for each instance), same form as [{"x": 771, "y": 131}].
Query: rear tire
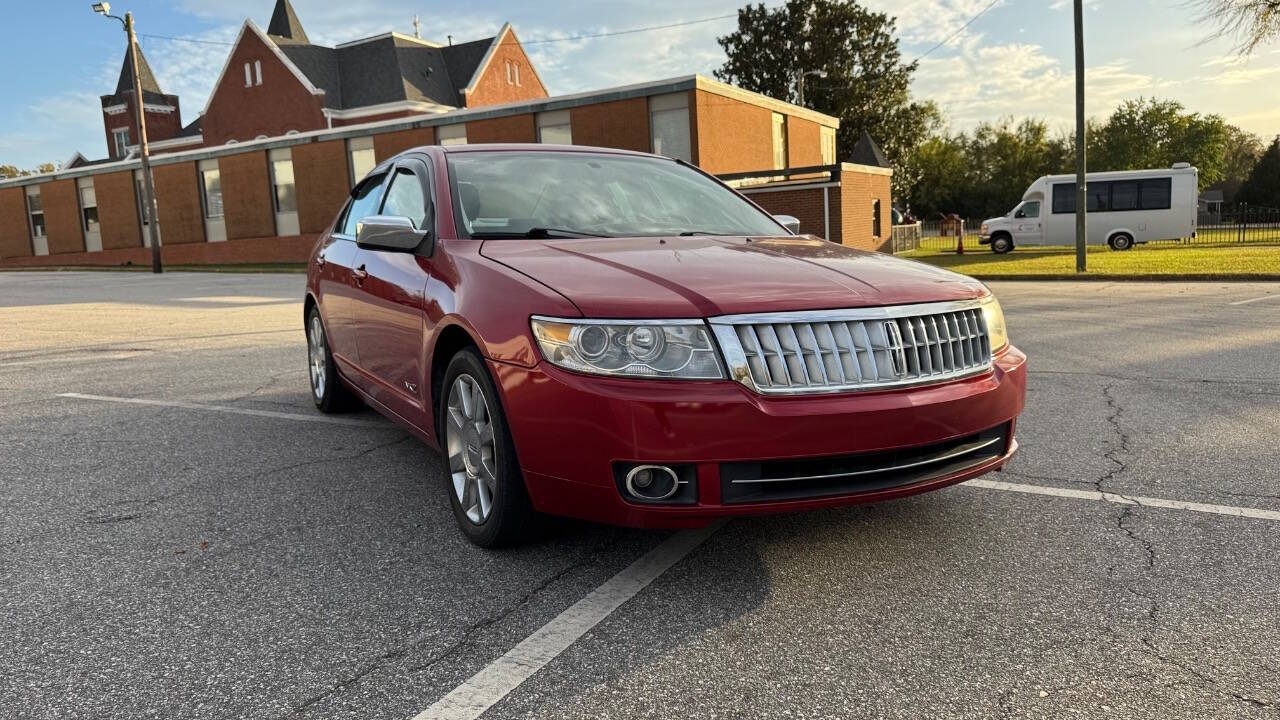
[
  {"x": 1001, "y": 244},
  {"x": 1121, "y": 242},
  {"x": 482, "y": 476},
  {"x": 327, "y": 389}
]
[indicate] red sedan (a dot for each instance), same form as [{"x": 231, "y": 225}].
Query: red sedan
[{"x": 622, "y": 338}]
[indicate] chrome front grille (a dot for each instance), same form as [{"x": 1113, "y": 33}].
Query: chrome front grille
[{"x": 855, "y": 349}]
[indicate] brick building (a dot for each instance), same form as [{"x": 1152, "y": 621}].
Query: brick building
[
  {"x": 120, "y": 114},
  {"x": 290, "y": 126}
]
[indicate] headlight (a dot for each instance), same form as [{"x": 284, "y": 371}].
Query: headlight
[
  {"x": 994, "y": 317},
  {"x": 649, "y": 348},
  {"x": 983, "y": 230}
]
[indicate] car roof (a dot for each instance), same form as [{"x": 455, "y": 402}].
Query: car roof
[{"x": 530, "y": 147}]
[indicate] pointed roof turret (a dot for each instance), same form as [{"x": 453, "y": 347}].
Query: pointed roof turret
[
  {"x": 867, "y": 152},
  {"x": 285, "y": 23},
  {"x": 125, "y": 83}
]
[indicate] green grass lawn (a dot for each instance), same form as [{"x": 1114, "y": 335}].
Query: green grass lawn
[{"x": 1172, "y": 260}]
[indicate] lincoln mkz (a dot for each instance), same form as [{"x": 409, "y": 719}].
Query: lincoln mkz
[{"x": 622, "y": 338}]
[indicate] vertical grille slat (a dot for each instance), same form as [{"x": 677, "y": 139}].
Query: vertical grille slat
[{"x": 822, "y": 352}]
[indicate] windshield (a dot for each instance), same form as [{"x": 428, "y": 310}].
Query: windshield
[{"x": 572, "y": 194}]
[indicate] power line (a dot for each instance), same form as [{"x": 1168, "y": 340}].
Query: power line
[
  {"x": 959, "y": 30},
  {"x": 184, "y": 39}
]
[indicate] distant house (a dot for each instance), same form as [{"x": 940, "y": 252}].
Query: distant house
[{"x": 1210, "y": 202}]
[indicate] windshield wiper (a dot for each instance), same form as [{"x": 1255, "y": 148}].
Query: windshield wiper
[
  {"x": 538, "y": 233},
  {"x": 688, "y": 233}
]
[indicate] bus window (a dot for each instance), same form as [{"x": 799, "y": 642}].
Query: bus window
[
  {"x": 1124, "y": 195},
  {"x": 1157, "y": 194},
  {"x": 1099, "y": 196},
  {"x": 1064, "y": 198}
]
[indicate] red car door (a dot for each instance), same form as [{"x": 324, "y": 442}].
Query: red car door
[
  {"x": 338, "y": 286},
  {"x": 389, "y": 308}
]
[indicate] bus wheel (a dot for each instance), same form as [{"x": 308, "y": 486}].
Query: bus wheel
[
  {"x": 1121, "y": 241},
  {"x": 1001, "y": 244}
]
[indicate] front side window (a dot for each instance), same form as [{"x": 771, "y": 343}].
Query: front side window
[
  {"x": 1029, "y": 210},
  {"x": 89, "y": 208},
  {"x": 405, "y": 198},
  {"x": 364, "y": 204},
  {"x": 512, "y": 193},
  {"x": 211, "y": 183}
]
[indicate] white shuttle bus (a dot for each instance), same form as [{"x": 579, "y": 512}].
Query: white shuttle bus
[{"x": 1124, "y": 208}]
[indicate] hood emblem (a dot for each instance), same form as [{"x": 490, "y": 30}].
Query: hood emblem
[{"x": 897, "y": 353}]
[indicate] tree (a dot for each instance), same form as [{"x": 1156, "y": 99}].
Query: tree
[
  {"x": 1263, "y": 186},
  {"x": 939, "y": 185},
  {"x": 1242, "y": 153},
  {"x": 12, "y": 171},
  {"x": 867, "y": 81},
  {"x": 1251, "y": 22},
  {"x": 1151, "y": 133}
]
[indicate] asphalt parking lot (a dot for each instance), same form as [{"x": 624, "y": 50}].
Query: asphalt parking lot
[{"x": 183, "y": 536}]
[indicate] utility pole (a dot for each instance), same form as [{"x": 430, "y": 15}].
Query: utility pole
[
  {"x": 1081, "y": 191},
  {"x": 148, "y": 187},
  {"x": 800, "y": 83}
]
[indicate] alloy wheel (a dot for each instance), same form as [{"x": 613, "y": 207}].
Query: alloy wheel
[
  {"x": 469, "y": 442},
  {"x": 315, "y": 350}
]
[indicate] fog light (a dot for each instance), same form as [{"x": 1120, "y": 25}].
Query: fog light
[{"x": 652, "y": 482}]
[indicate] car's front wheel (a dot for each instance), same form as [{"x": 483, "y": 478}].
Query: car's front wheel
[
  {"x": 486, "y": 488},
  {"x": 327, "y": 390},
  {"x": 1001, "y": 244}
]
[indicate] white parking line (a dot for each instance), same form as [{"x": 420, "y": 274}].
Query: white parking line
[
  {"x": 470, "y": 699},
  {"x": 233, "y": 410},
  {"x": 78, "y": 358},
  {"x": 1127, "y": 499},
  {"x": 1254, "y": 300}
]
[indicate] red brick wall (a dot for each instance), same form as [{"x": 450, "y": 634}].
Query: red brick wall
[
  {"x": 732, "y": 135},
  {"x": 493, "y": 88},
  {"x": 805, "y": 204},
  {"x": 292, "y": 249},
  {"x": 386, "y": 145},
  {"x": 619, "y": 124},
  {"x": 804, "y": 142},
  {"x": 15, "y": 233},
  {"x": 376, "y": 118},
  {"x": 246, "y": 195},
  {"x": 509, "y": 129},
  {"x": 62, "y": 216},
  {"x": 178, "y": 196},
  {"x": 117, "y": 210},
  {"x": 320, "y": 173},
  {"x": 160, "y": 125},
  {"x": 859, "y": 189},
  {"x": 280, "y": 104}
]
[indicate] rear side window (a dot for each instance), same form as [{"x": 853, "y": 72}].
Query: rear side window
[
  {"x": 364, "y": 204},
  {"x": 1124, "y": 195},
  {"x": 406, "y": 198},
  {"x": 1157, "y": 193}
]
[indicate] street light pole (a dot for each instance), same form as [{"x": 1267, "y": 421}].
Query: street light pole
[
  {"x": 148, "y": 187},
  {"x": 800, "y": 83},
  {"x": 1081, "y": 191}
]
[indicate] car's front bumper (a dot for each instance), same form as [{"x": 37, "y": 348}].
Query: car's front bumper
[{"x": 571, "y": 429}]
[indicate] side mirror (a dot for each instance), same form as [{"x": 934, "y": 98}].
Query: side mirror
[
  {"x": 389, "y": 232},
  {"x": 1020, "y": 214},
  {"x": 789, "y": 222}
]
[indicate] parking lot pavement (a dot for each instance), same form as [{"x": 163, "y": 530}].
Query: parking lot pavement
[{"x": 181, "y": 535}]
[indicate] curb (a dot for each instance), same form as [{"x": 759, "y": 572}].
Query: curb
[{"x": 1148, "y": 277}]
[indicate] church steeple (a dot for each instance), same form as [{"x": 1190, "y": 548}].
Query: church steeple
[
  {"x": 285, "y": 23},
  {"x": 125, "y": 83}
]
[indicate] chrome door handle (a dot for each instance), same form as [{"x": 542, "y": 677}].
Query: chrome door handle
[
  {"x": 319, "y": 261},
  {"x": 360, "y": 273}
]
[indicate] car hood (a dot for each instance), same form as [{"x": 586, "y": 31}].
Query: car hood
[{"x": 704, "y": 276}]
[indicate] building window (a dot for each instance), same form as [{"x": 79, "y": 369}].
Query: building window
[
  {"x": 361, "y": 157},
  {"x": 257, "y": 72},
  {"x": 516, "y": 67},
  {"x": 669, "y": 126},
  {"x": 248, "y": 75},
  {"x": 35, "y": 208},
  {"x": 253, "y": 73},
  {"x": 211, "y": 185},
  {"x": 120, "y": 136},
  {"x": 89, "y": 206},
  {"x": 509, "y": 76},
  {"x": 828, "y": 146},
  {"x": 779, "y": 141},
  {"x": 282, "y": 187},
  {"x": 554, "y": 128},
  {"x": 875, "y": 218},
  {"x": 455, "y": 134}
]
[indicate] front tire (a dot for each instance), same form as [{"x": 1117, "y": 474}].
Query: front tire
[
  {"x": 486, "y": 488},
  {"x": 327, "y": 390},
  {"x": 1001, "y": 244}
]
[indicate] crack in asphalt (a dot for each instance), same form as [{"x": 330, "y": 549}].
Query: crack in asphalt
[{"x": 466, "y": 638}]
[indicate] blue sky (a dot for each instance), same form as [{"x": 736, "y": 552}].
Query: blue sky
[{"x": 1014, "y": 61}]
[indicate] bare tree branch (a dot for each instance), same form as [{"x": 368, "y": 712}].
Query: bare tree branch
[{"x": 1250, "y": 22}]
